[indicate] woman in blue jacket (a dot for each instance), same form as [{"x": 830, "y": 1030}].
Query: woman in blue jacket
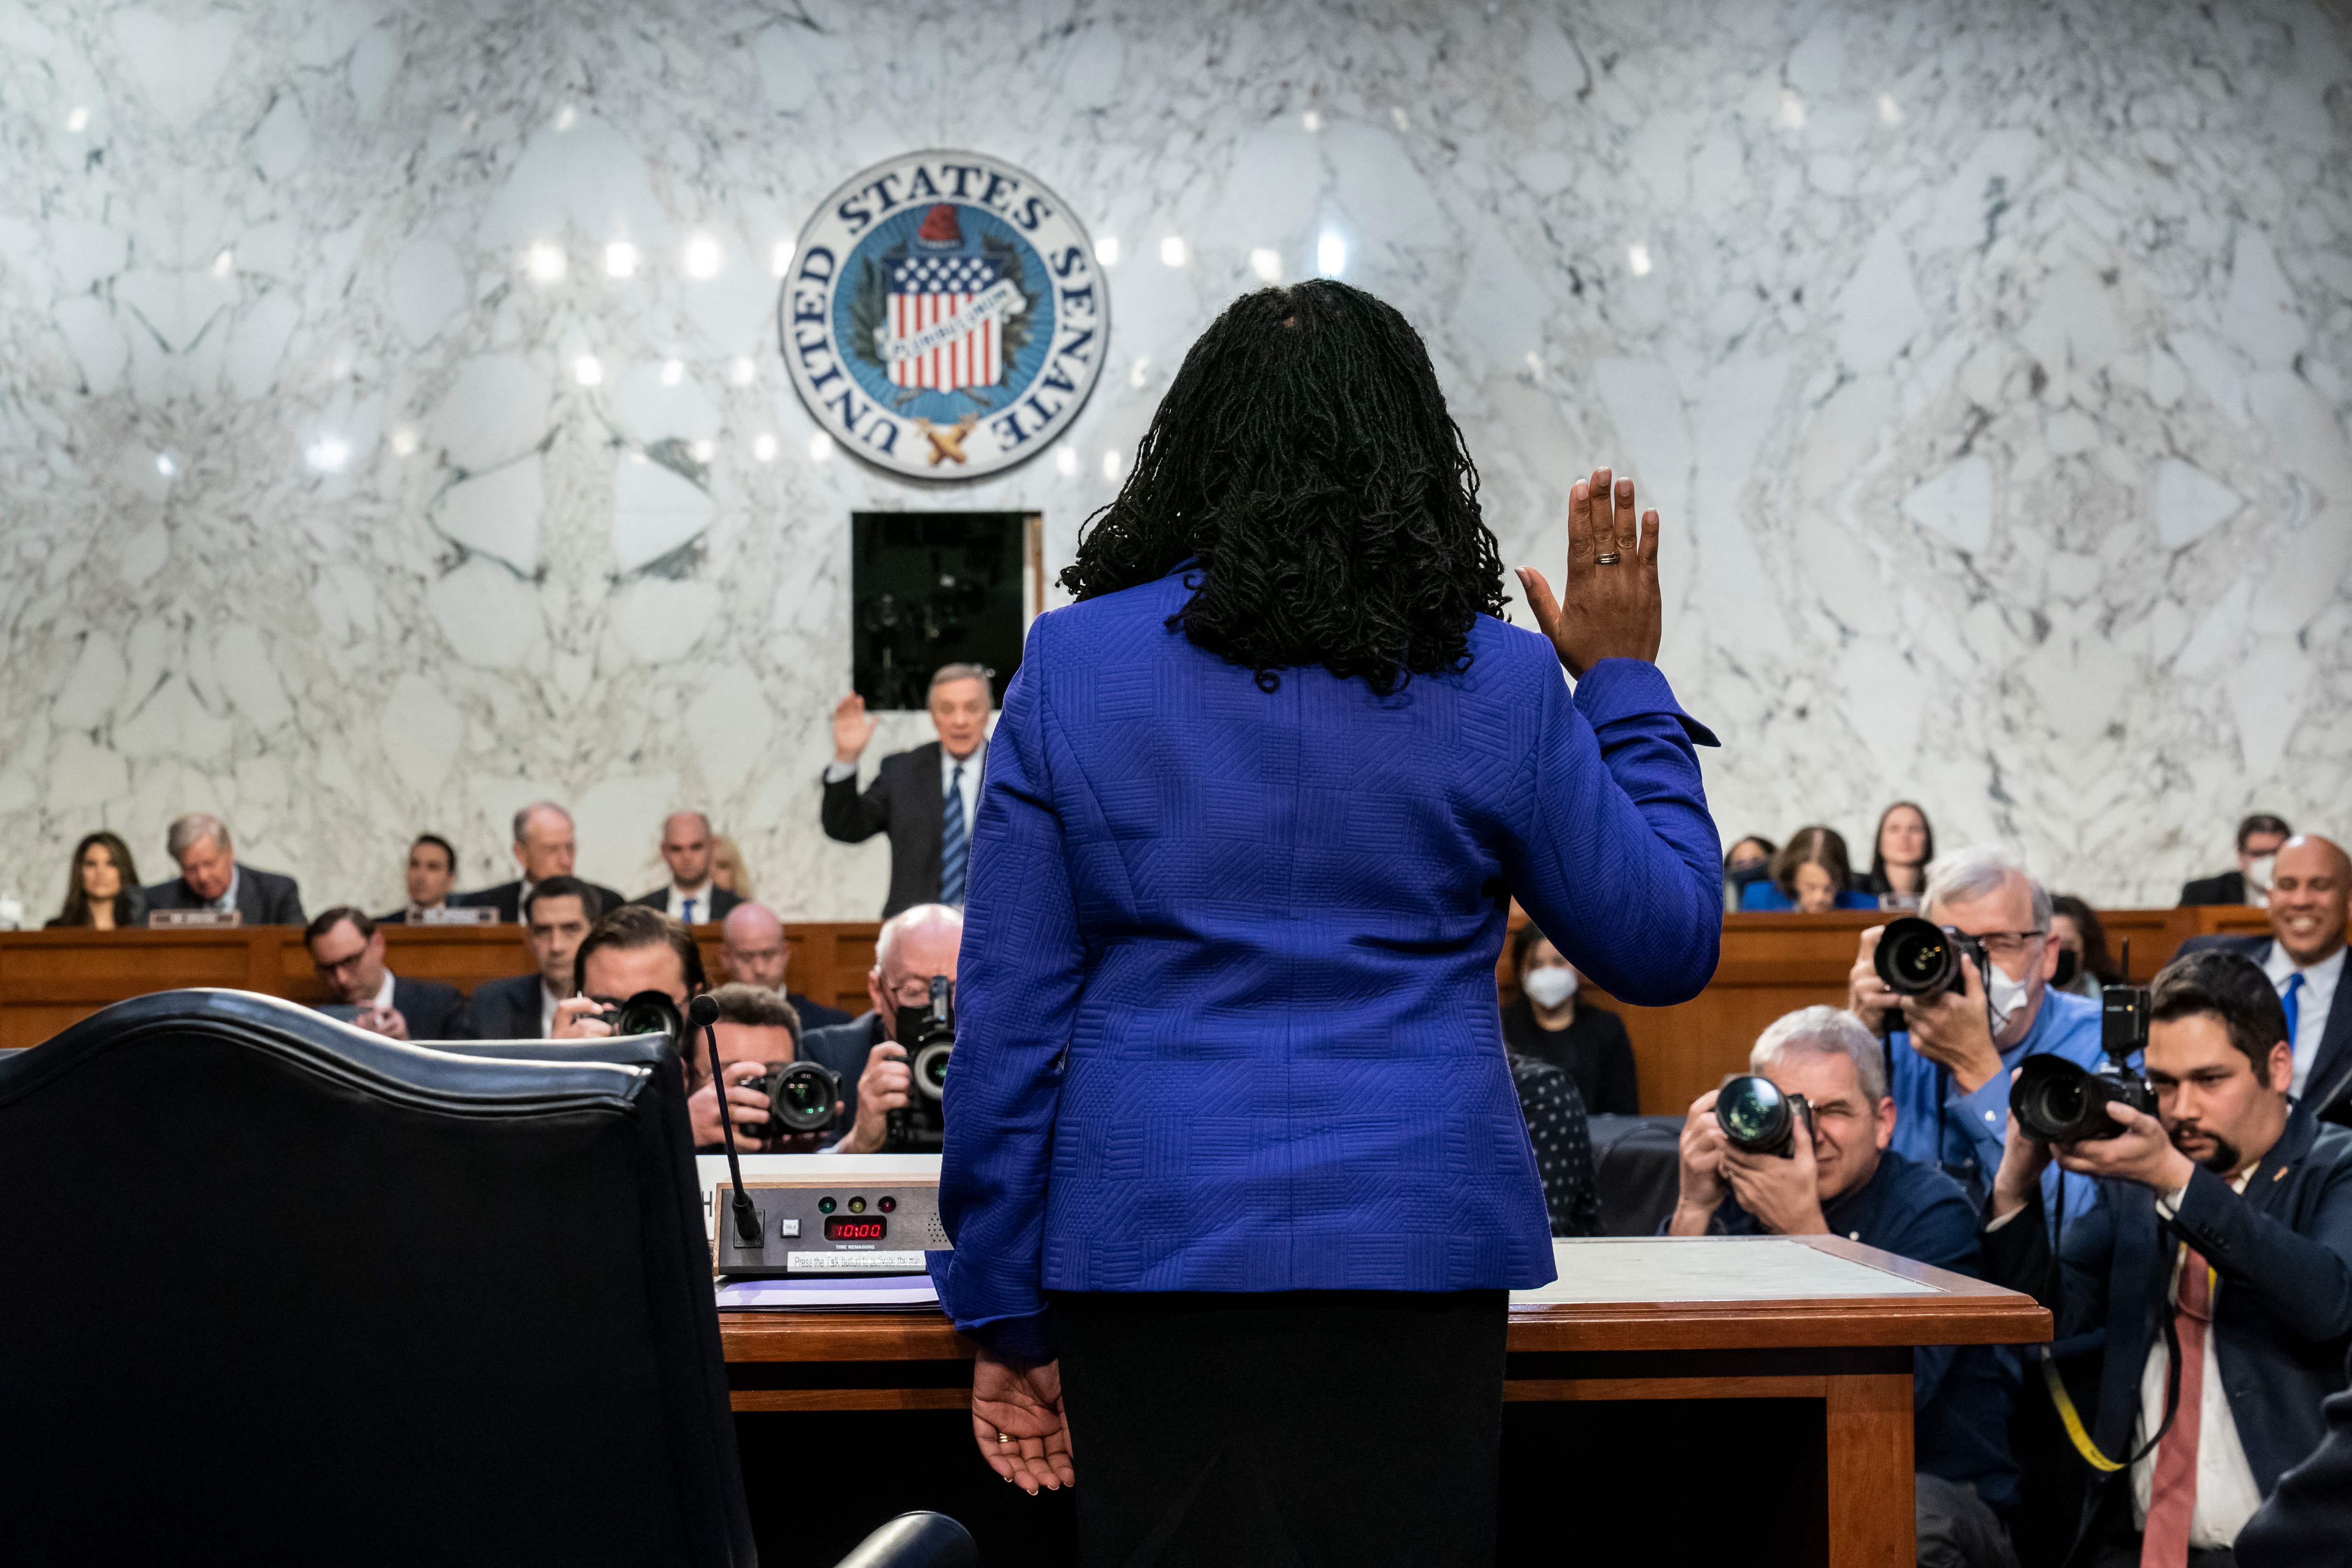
[{"x": 1234, "y": 1168}]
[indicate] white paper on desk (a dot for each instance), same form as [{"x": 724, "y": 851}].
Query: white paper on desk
[
  {"x": 830, "y": 1293},
  {"x": 1606, "y": 1270}
]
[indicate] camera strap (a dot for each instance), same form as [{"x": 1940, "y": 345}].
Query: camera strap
[{"x": 2070, "y": 1419}]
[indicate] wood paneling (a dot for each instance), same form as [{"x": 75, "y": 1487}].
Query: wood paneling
[
  {"x": 48, "y": 979},
  {"x": 1770, "y": 964}
]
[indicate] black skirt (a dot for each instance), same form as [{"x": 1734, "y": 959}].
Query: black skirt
[{"x": 1340, "y": 1428}]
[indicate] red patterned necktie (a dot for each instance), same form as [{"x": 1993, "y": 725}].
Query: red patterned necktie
[{"x": 2172, "y": 1499}]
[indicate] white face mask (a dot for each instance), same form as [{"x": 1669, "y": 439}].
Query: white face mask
[
  {"x": 2006, "y": 996},
  {"x": 2259, "y": 873},
  {"x": 1549, "y": 986}
]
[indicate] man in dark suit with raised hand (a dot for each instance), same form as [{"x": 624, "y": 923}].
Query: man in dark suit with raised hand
[
  {"x": 2311, "y": 894},
  {"x": 2229, "y": 1213},
  {"x": 545, "y": 846},
  {"x": 2259, "y": 838},
  {"x": 691, "y": 896},
  {"x": 347, "y": 949},
  {"x": 923, "y": 799},
  {"x": 211, "y": 877},
  {"x": 556, "y": 918}
]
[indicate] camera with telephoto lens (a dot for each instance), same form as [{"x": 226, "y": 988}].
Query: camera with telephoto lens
[
  {"x": 2058, "y": 1103},
  {"x": 647, "y": 1013},
  {"x": 1757, "y": 1117},
  {"x": 800, "y": 1098},
  {"x": 927, "y": 1032},
  {"x": 1917, "y": 957}
]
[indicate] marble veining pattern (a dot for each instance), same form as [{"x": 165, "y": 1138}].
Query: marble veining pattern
[{"x": 392, "y": 428}]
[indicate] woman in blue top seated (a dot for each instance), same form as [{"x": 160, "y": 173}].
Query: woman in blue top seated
[
  {"x": 1810, "y": 876},
  {"x": 1234, "y": 1168}
]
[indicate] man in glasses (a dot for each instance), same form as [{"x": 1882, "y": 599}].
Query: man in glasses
[
  {"x": 870, "y": 1052},
  {"x": 1951, "y": 1053}
]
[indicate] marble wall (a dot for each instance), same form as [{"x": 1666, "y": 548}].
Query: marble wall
[{"x": 1989, "y": 362}]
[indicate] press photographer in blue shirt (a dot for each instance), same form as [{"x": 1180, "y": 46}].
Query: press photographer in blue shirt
[
  {"x": 1837, "y": 1177},
  {"x": 1950, "y": 1054}
]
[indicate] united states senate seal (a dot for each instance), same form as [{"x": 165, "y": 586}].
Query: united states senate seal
[{"x": 944, "y": 316}]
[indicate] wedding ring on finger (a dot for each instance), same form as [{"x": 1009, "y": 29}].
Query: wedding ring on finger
[
  {"x": 1609, "y": 559},
  {"x": 1003, "y": 1438}
]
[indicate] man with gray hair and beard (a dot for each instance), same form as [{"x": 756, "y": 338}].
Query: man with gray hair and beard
[
  {"x": 1951, "y": 1056},
  {"x": 1839, "y": 1177},
  {"x": 212, "y": 878}
]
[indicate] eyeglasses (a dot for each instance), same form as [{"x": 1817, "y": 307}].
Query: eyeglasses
[{"x": 2009, "y": 943}]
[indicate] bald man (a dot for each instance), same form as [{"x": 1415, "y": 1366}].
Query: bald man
[
  {"x": 691, "y": 896},
  {"x": 2303, "y": 956},
  {"x": 914, "y": 945},
  {"x": 756, "y": 953}
]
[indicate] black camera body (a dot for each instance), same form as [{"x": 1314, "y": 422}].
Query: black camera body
[
  {"x": 1917, "y": 957},
  {"x": 649, "y": 1013},
  {"x": 1757, "y": 1117},
  {"x": 800, "y": 1098},
  {"x": 927, "y": 1033},
  {"x": 2058, "y": 1103}
]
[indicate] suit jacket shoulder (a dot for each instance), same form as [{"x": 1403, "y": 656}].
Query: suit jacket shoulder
[
  {"x": 506, "y": 1009},
  {"x": 843, "y": 1048},
  {"x": 2229, "y": 887},
  {"x": 2257, "y": 948},
  {"x": 277, "y": 897},
  {"x": 433, "y": 1011}
]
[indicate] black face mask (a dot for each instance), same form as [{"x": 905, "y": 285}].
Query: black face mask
[
  {"x": 1742, "y": 876},
  {"x": 2069, "y": 966}
]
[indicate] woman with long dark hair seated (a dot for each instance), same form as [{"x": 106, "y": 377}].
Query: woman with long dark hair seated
[
  {"x": 1550, "y": 1023},
  {"x": 1900, "y": 856},
  {"x": 102, "y": 885},
  {"x": 1810, "y": 876},
  {"x": 1234, "y": 1162}
]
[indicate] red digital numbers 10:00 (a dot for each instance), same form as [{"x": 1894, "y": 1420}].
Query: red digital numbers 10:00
[{"x": 839, "y": 1229}]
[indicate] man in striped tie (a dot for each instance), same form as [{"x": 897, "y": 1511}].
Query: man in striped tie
[
  {"x": 924, "y": 798},
  {"x": 2220, "y": 1250}
]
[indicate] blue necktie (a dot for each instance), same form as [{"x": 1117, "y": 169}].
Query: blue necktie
[
  {"x": 954, "y": 846},
  {"x": 2292, "y": 1004},
  {"x": 687, "y": 913}
]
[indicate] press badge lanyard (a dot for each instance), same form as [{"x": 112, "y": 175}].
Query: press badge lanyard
[{"x": 2067, "y": 1414}]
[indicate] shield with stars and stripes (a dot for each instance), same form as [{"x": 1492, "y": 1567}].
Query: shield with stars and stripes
[{"x": 926, "y": 344}]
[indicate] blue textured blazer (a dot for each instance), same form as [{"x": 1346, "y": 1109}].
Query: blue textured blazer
[{"x": 1226, "y": 1010}]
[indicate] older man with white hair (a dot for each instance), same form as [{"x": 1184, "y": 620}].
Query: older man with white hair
[
  {"x": 212, "y": 878},
  {"x": 1951, "y": 1056},
  {"x": 1840, "y": 1177},
  {"x": 914, "y": 945},
  {"x": 544, "y": 845}
]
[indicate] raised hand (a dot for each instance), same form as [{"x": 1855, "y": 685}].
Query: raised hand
[
  {"x": 1609, "y": 608},
  {"x": 852, "y": 728}
]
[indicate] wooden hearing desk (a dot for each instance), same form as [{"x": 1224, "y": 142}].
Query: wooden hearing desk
[
  {"x": 1770, "y": 964},
  {"x": 1819, "y": 1328}
]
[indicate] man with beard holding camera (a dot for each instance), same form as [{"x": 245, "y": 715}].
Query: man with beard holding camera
[
  {"x": 2225, "y": 1219},
  {"x": 756, "y": 1030},
  {"x": 1837, "y": 1177},
  {"x": 1951, "y": 1053},
  {"x": 870, "y": 1052}
]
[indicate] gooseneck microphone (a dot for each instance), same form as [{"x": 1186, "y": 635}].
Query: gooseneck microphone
[{"x": 701, "y": 1014}]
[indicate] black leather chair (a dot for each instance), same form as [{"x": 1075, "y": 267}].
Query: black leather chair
[{"x": 276, "y": 1290}]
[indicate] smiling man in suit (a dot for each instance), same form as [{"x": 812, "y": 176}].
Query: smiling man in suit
[
  {"x": 545, "y": 846},
  {"x": 211, "y": 877},
  {"x": 2311, "y": 893},
  {"x": 691, "y": 896},
  {"x": 347, "y": 949},
  {"x": 924, "y": 798}
]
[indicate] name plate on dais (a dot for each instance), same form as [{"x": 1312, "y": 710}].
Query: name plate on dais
[
  {"x": 476, "y": 915},
  {"x": 945, "y": 317},
  {"x": 183, "y": 920}
]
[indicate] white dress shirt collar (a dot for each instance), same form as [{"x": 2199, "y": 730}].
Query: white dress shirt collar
[
  {"x": 547, "y": 1000},
  {"x": 384, "y": 991},
  {"x": 970, "y": 788},
  {"x": 2312, "y": 1001},
  {"x": 228, "y": 901}
]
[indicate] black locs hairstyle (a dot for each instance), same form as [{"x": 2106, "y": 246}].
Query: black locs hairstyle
[{"x": 1304, "y": 456}]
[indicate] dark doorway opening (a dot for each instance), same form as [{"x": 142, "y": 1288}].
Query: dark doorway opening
[{"x": 928, "y": 588}]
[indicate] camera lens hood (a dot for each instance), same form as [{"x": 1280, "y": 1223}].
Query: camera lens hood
[
  {"x": 1917, "y": 957},
  {"x": 1754, "y": 1114},
  {"x": 801, "y": 1096},
  {"x": 930, "y": 1069}
]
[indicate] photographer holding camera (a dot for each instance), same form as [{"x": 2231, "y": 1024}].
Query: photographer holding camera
[
  {"x": 759, "y": 1042},
  {"x": 871, "y": 1051},
  {"x": 1951, "y": 1050},
  {"x": 2218, "y": 1247},
  {"x": 1827, "y": 1170}
]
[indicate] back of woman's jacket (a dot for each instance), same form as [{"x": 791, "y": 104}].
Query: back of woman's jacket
[{"x": 1227, "y": 990}]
